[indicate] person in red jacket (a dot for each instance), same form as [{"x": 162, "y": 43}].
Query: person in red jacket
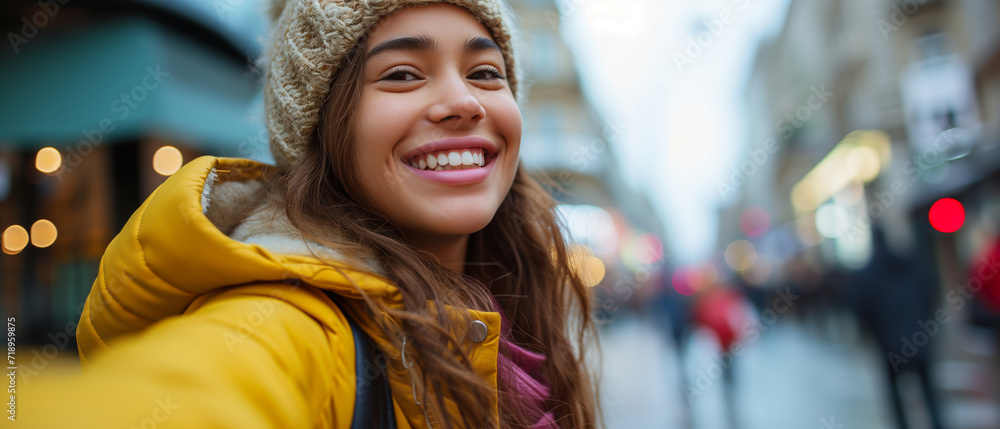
[
  {"x": 986, "y": 268},
  {"x": 723, "y": 310}
]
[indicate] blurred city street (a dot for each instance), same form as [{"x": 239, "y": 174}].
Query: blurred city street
[{"x": 796, "y": 377}]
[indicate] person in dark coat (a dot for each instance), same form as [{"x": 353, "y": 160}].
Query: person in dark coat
[{"x": 896, "y": 297}]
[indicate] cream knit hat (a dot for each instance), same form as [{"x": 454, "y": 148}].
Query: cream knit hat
[{"x": 310, "y": 38}]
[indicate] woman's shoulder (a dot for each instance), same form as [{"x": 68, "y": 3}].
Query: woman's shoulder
[
  {"x": 286, "y": 301},
  {"x": 168, "y": 253},
  {"x": 208, "y": 227}
]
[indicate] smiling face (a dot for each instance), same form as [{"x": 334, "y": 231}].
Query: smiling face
[{"x": 438, "y": 131}]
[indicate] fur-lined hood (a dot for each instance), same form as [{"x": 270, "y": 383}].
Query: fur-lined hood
[{"x": 209, "y": 226}]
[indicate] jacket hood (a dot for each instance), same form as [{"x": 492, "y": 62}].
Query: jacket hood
[{"x": 208, "y": 226}]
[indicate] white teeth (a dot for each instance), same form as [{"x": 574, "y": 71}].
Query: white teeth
[{"x": 450, "y": 160}]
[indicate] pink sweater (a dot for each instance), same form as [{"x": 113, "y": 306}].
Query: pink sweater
[{"x": 522, "y": 374}]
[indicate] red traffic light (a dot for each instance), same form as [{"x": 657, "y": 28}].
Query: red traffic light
[{"x": 947, "y": 215}]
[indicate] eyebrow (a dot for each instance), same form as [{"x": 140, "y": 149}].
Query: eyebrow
[
  {"x": 423, "y": 42},
  {"x": 480, "y": 44}
]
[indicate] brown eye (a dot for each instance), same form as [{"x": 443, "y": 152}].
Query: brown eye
[
  {"x": 486, "y": 73},
  {"x": 399, "y": 75}
]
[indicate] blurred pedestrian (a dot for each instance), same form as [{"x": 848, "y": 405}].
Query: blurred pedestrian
[
  {"x": 723, "y": 311},
  {"x": 985, "y": 267},
  {"x": 986, "y": 307},
  {"x": 671, "y": 312},
  {"x": 895, "y": 295}
]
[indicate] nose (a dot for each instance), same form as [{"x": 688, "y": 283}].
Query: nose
[{"x": 456, "y": 105}]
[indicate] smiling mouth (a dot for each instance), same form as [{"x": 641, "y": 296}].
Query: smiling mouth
[{"x": 450, "y": 159}]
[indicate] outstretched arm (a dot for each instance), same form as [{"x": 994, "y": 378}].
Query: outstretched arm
[{"x": 240, "y": 358}]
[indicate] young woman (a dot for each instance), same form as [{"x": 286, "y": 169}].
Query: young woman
[{"x": 397, "y": 202}]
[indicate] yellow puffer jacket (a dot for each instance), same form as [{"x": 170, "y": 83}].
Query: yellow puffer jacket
[{"x": 207, "y": 312}]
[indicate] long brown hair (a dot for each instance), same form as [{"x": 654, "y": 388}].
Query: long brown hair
[{"x": 518, "y": 262}]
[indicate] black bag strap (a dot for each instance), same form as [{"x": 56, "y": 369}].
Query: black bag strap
[{"x": 373, "y": 401}]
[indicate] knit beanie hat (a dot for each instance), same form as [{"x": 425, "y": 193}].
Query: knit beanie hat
[{"x": 309, "y": 40}]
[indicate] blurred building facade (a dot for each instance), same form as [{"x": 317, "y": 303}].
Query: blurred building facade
[
  {"x": 849, "y": 66},
  {"x": 101, "y": 102},
  {"x": 863, "y": 114},
  {"x": 565, "y": 138}
]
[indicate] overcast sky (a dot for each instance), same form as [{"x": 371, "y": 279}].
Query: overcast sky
[{"x": 674, "y": 72}]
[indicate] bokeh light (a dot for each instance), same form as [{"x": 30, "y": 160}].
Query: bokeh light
[
  {"x": 860, "y": 157},
  {"x": 694, "y": 277},
  {"x": 640, "y": 248},
  {"x": 740, "y": 255},
  {"x": 48, "y": 160},
  {"x": 15, "y": 238},
  {"x": 592, "y": 271},
  {"x": 709, "y": 275},
  {"x": 43, "y": 233},
  {"x": 167, "y": 160},
  {"x": 863, "y": 162},
  {"x": 591, "y": 225},
  {"x": 682, "y": 282},
  {"x": 831, "y": 220},
  {"x": 590, "y": 268},
  {"x": 947, "y": 215}
]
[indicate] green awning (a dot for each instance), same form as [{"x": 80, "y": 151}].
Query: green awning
[{"x": 132, "y": 76}]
